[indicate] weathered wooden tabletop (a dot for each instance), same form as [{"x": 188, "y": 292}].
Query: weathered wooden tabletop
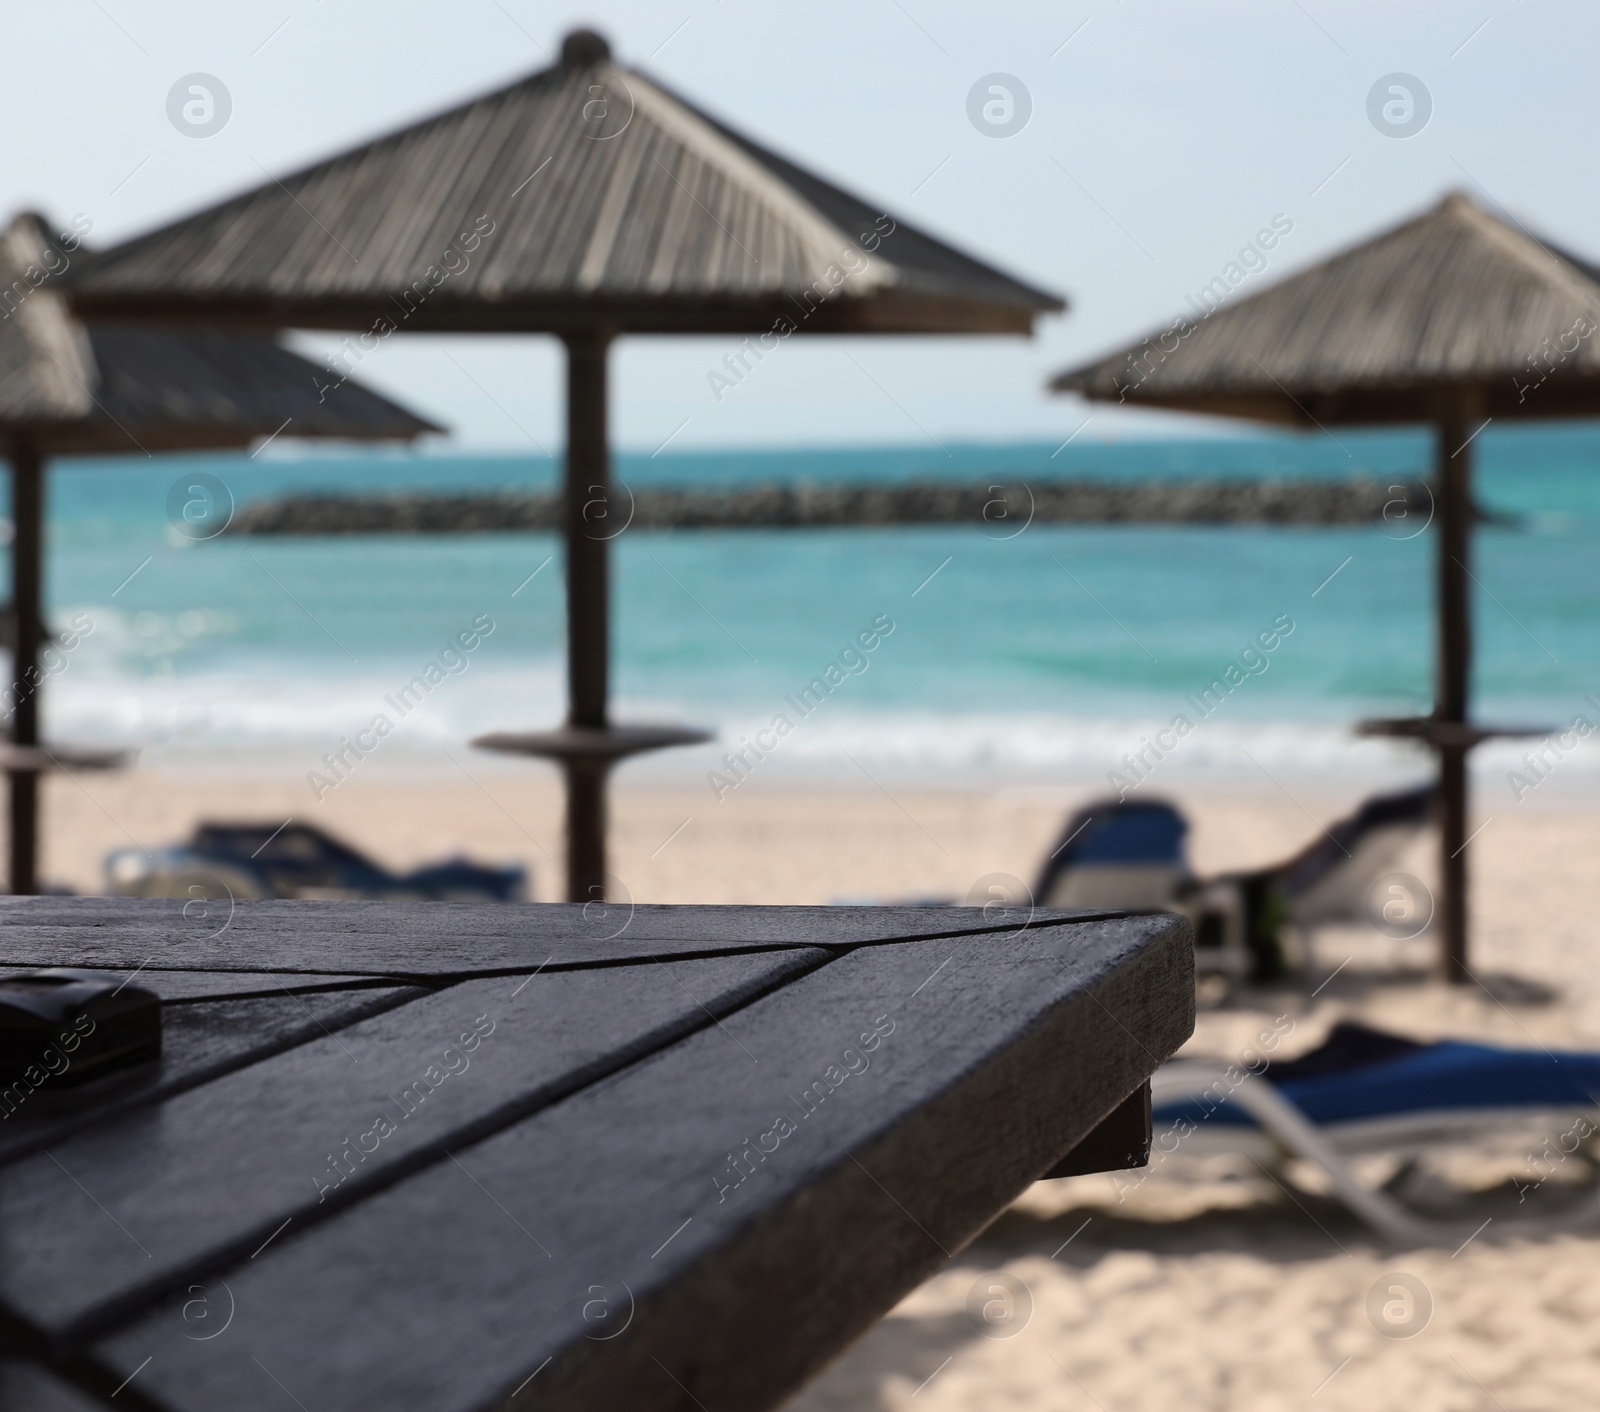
[{"x": 453, "y": 1156}]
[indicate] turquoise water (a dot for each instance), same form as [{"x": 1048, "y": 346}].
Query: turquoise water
[{"x": 1052, "y": 649}]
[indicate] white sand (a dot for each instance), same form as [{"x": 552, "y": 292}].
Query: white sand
[{"x": 1206, "y": 1288}]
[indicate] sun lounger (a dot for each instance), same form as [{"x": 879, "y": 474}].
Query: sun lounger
[
  {"x": 296, "y": 860},
  {"x": 1130, "y": 851},
  {"x": 1130, "y": 854},
  {"x": 1366, "y": 1092},
  {"x": 1329, "y": 881}
]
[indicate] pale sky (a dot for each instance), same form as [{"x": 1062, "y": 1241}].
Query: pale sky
[{"x": 1163, "y": 135}]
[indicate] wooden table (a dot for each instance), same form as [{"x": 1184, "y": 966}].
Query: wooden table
[{"x": 455, "y": 1156}]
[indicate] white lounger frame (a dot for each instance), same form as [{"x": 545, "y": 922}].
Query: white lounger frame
[{"x": 1285, "y": 1131}]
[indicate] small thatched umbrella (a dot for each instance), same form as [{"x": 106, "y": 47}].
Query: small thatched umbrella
[
  {"x": 72, "y": 388},
  {"x": 586, "y": 201},
  {"x": 1456, "y": 319}
]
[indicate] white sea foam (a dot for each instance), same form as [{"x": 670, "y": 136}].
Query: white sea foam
[
  {"x": 271, "y": 709},
  {"x": 1024, "y": 745},
  {"x": 288, "y": 721}
]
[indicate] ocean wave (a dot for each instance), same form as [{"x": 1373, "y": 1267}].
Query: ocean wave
[
  {"x": 273, "y": 708},
  {"x": 294, "y": 718}
]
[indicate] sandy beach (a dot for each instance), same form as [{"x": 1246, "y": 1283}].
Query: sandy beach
[{"x": 1205, "y": 1288}]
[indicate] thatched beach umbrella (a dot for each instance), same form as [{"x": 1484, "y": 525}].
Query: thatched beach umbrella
[
  {"x": 1456, "y": 318},
  {"x": 586, "y": 201},
  {"x": 74, "y": 388}
]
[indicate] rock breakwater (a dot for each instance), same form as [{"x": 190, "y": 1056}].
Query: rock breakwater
[{"x": 996, "y": 506}]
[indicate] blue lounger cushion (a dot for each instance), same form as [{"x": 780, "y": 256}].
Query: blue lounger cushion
[{"x": 1361, "y": 1073}]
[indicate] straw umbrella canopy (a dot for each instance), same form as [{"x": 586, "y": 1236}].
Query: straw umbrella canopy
[
  {"x": 1455, "y": 318},
  {"x": 586, "y": 201},
  {"x": 73, "y": 388}
]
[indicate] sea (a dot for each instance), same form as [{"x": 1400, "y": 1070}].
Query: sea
[{"x": 1008, "y": 652}]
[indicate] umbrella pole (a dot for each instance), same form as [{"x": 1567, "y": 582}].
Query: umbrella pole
[
  {"x": 587, "y": 527},
  {"x": 27, "y": 515},
  {"x": 1453, "y": 481}
]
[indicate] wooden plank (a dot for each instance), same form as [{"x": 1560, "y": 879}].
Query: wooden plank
[
  {"x": 506, "y": 1278},
  {"x": 214, "y": 1172},
  {"x": 405, "y": 939},
  {"x": 200, "y": 1041}
]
